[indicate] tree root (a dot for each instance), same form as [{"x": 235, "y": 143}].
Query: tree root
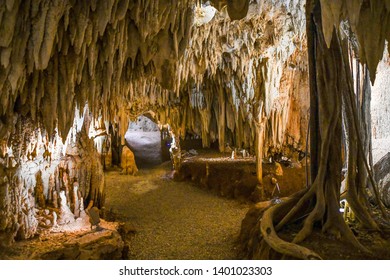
[
  {"x": 334, "y": 225},
  {"x": 358, "y": 168},
  {"x": 331, "y": 91},
  {"x": 272, "y": 239}
]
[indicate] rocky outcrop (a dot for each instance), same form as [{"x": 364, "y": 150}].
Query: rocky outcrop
[
  {"x": 128, "y": 164},
  {"x": 382, "y": 177},
  {"x": 99, "y": 245}
]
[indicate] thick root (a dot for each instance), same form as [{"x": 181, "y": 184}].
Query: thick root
[
  {"x": 286, "y": 248},
  {"x": 316, "y": 215}
]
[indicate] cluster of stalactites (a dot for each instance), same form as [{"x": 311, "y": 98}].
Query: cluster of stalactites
[
  {"x": 234, "y": 72},
  {"x": 125, "y": 57},
  {"x": 39, "y": 172},
  {"x": 369, "y": 20},
  {"x": 55, "y": 54}
]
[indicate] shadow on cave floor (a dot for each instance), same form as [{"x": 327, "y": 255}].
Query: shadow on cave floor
[{"x": 173, "y": 220}]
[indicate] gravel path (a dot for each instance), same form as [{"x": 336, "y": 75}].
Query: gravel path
[{"x": 174, "y": 220}]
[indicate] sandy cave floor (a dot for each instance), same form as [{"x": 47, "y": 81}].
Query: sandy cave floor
[{"x": 173, "y": 220}]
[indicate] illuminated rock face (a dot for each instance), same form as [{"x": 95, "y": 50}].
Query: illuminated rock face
[
  {"x": 39, "y": 173},
  {"x": 380, "y": 102},
  {"x": 144, "y": 139}
]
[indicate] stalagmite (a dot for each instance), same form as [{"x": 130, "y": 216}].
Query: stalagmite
[
  {"x": 128, "y": 162},
  {"x": 260, "y": 154},
  {"x": 66, "y": 215}
]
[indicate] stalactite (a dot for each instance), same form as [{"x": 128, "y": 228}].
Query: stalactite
[
  {"x": 248, "y": 69},
  {"x": 66, "y": 36},
  {"x": 363, "y": 17}
]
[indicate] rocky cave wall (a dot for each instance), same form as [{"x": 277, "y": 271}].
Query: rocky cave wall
[
  {"x": 235, "y": 74},
  {"x": 46, "y": 182},
  {"x": 380, "y": 104}
]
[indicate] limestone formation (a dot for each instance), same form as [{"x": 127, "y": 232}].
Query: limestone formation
[
  {"x": 55, "y": 53},
  {"x": 40, "y": 172},
  {"x": 382, "y": 176},
  {"x": 278, "y": 169},
  {"x": 94, "y": 217},
  {"x": 66, "y": 215},
  {"x": 363, "y": 17},
  {"x": 128, "y": 162}
]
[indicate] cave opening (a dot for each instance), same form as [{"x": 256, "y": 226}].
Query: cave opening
[{"x": 149, "y": 142}]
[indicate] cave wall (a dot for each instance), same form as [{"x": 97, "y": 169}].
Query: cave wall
[
  {"x": 46, "y": 181},
  {"x": 143, "y": 137},
  {"x": 26, "y": 164},
  {"x": 380, "y": 104},
  {"x": 235, "y": 72},
  {"x": 369, "y": 20}
]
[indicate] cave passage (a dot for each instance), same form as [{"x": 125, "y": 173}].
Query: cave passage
[
  {"x": 173, "y": 220},
  {"x": 147, "y": 142}
]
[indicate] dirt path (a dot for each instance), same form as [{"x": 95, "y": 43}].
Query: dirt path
[{"x": 174, "y": 220}]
